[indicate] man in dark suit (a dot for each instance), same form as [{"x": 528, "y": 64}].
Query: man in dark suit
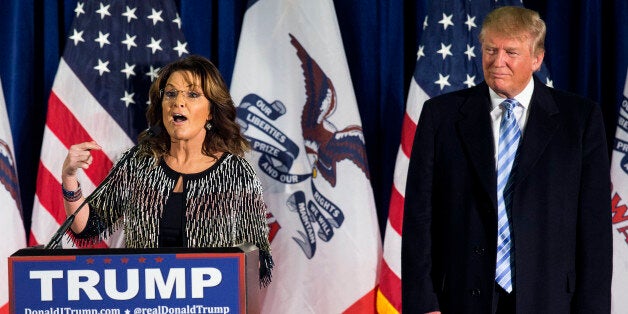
[{"x": 508, "y": 190}]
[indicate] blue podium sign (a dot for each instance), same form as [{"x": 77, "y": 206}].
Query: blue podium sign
[{"x": 131, "y": 281}]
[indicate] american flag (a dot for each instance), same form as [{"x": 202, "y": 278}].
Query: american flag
[
  {"x": 112, "y": 54},
  {"x": 449, "y": 58}
]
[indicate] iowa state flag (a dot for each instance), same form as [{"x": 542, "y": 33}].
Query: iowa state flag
[
  {"x": 100, "y": 92},
  {"x": 296, "y": 105},
  {"x": 11, "y": 224},
  {"x": 619, "y": 165},
  {"x": 619, "y": 178}
]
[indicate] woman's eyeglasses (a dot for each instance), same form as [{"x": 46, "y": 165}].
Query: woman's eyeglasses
[{"x": 171, "y": 94}]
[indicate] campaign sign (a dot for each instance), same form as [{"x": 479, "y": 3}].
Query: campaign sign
[{"x": 127, "y": 281}]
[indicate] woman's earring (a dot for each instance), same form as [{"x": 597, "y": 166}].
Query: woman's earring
[{"x": 208, "y": 126}]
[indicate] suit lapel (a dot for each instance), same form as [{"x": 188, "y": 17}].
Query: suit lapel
[
  {"x": 475, "y": 131},
  {"x": 540, "y": 127}
]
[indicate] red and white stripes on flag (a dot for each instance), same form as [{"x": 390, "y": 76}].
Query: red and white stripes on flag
[
  {"x": 74, "y": 116},
  {"x": 619, "y": 179},
  {"x": 296, "y": 103},
  {"x": 112, "y": 54},
  {"x": 11, "y": 224},
  {"x": 389, "y": 294}
]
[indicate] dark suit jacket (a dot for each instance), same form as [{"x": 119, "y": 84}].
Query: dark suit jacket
[{"x": 560, "y": 222}]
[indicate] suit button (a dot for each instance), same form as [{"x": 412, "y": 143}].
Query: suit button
[
  {"x": 475, "y": 292},
  {"x": 479, "y": 250}
]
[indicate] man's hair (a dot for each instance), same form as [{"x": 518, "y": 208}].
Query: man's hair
[{"x": 517, "y": 22}]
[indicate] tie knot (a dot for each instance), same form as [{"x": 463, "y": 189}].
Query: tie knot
[{"x": 509, "y": 104}]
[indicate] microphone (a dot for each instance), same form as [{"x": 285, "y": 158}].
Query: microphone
[{"x": 55, "y": 241}]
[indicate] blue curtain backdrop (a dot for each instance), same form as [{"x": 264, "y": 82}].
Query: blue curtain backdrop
[{"x": 587, "y": 45}]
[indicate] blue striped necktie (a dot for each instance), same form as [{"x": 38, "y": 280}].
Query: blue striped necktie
[{"x": 509, "y": 134}]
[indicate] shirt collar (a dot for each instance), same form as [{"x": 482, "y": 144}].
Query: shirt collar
[{"x": 523, "y": 98}]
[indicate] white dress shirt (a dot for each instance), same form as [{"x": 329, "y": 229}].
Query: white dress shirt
[{"x": 521, "y": 112}]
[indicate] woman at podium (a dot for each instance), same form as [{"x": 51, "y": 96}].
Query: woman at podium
[{"x": 186, "y": 184}]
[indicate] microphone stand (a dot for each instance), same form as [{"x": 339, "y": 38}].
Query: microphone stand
[{"x": 55, "y": 241}]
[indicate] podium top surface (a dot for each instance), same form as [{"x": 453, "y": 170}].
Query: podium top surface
[{"x": 39, "y": 250}]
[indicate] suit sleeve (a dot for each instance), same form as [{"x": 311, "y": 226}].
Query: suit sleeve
[
  {"x": 594, "y": 238},
  {"x": 418, "y": 295}
]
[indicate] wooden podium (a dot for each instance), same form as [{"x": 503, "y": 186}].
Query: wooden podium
[{"x": 165, "y": 280}]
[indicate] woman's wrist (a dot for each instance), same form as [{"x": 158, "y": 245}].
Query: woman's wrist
[{"x": 72, "y": 195}]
